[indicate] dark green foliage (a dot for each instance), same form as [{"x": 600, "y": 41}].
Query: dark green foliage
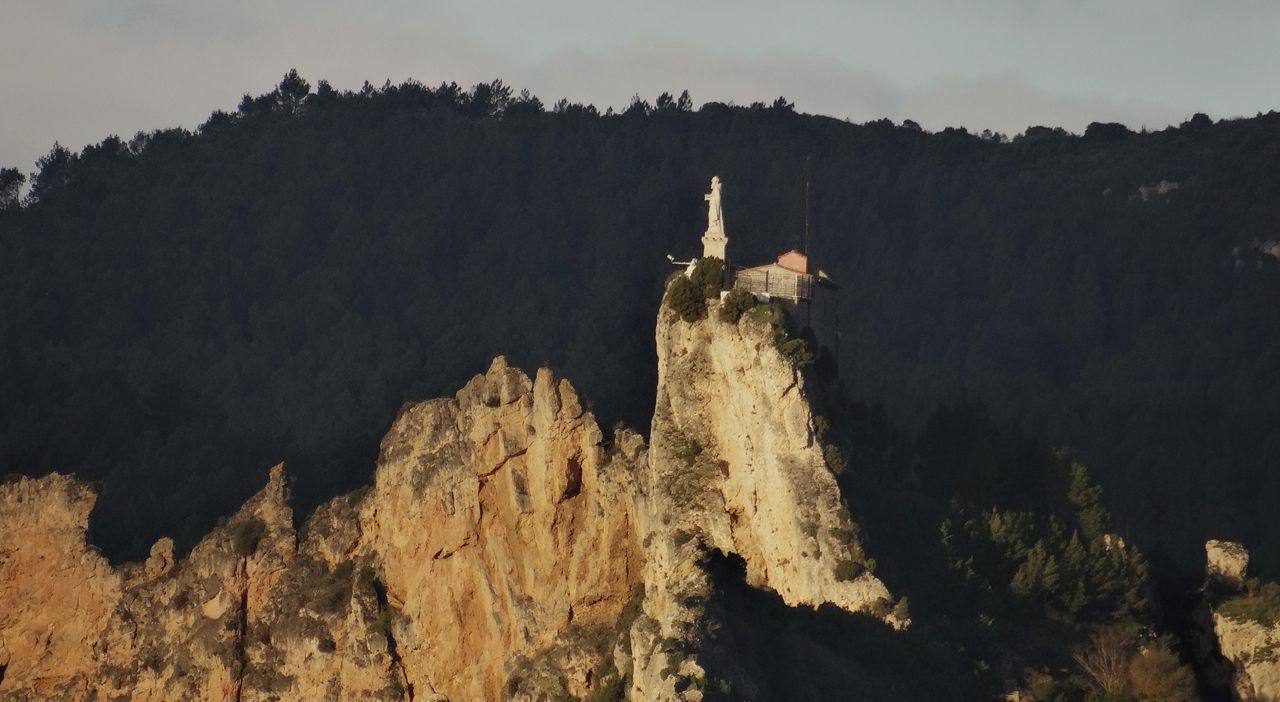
[
  {"x": 735, "y": 304},
  {"x": 246, "y": 534},
  {"x": 797, "y": 352},
  {"x": 11, "y": 180},
  {"x": 685, "y": 298},
  {"x": 983, "y": 528},
  {"x": 848, "y": 569},
  {"x": 275, "y": 284},
  {"x": 1259, "y": 603},
  {"x": 880, "y": 608},
  {"x": 708, "y": 276},
  {"x": 770, "y": 314},
  {"x": 821, "y": 425},
  {"x": 1087, "y": 499},
  {"x": 836, "y": 461},
  {"x": 1033, "y": 559}
]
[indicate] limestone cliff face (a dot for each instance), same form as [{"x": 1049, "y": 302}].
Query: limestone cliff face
[
  {"x": 498, "y": 533},
  {"x": 505, "y": 550},
  {"x": 1240, "y": 619},
  {"x": 501, "y": 524},
  {"x": 248, "y": 615},
  {"x": 734, "y": 467},
  {"x": 56, "y": 594}
]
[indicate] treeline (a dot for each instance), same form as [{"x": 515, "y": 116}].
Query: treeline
[{"x": 185, "y": 308}]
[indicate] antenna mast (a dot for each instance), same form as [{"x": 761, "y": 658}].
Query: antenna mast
[{"x": 806, "y": 204}]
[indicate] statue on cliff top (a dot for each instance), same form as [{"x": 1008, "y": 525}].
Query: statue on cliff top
[{"x": 714, "y": 240}]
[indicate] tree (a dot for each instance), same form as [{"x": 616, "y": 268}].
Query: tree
[
  {"x": 686, "y": 298},
  {"x": 53, "y": 171},
  {"x": 1106, "y": 660},
  {"x": 11, "y": 180},
  {"x": 708, "y": 276},
  {"x": 1087, "y": 498},
  {"x": 293, "y": 90},
  {"x": 735, "y": 303},
  {"x": 1156, "y": 675},
  {"x": 1108, "y": 131},
  {"x": 684, "y": 103},
  {"x": 1038, "y": 576}
]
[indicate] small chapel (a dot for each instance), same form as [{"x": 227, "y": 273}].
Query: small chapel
[{"x": 806, "y": 293}]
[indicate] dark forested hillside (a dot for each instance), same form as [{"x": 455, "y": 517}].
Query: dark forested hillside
[{"x": 183, "y": 309}]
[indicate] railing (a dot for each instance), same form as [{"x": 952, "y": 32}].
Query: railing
[{"x": 775, "y": 283}]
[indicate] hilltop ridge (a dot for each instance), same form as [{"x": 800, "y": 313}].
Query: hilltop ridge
[{"x": 275, "y": 284}]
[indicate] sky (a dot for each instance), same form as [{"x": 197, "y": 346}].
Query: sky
[{"x": 76, "y": 72}]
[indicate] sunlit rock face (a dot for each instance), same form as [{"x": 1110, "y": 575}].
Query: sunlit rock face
[
  {"x": 506, "y": 549},
  {"x": 501, "y": 523},
  {"x": 57, "y": 595},
  {"x": 735, "y": 467},
  {"x": 498, "y": 534},
  {"x": 1241, "y": 620},
  {"x": 247, "y": 615}
]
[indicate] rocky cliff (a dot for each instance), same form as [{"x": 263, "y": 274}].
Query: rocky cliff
[
  {"x": 735, "y": 468},
  {"x": 506, "y": 549},
  {"x": 1242, "y": 622}
]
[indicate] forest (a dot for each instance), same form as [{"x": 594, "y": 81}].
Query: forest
[{"x": 185, "y": 308}]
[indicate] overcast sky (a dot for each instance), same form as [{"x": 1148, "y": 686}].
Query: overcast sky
[{"x": 76, "y": 72}]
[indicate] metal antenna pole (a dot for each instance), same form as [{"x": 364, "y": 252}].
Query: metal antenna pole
[{"x": 806, "y": 204}]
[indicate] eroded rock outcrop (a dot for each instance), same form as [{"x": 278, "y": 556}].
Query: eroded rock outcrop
[
  {"x": 498, "y": 532},
  {"x": 57, "y": 595},
  {"x": 1242, "y": 618},
  {"x": 735, "y": 467},
  {"x": 505, "y": 550},
  {"x": 504, "y": 528}
]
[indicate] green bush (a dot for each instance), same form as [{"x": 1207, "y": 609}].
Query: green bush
[
  {"x": 1261, "y": 604},
  {"x": 770, "y": 314},
  {"x": 821, "y": 425},
  {"x": 881, "y": 607},
  {"x": 246, "y": 535},
  {"x": 836, "y": 462},
  {"x": 797, "y": 352},
  {"x": 902, "y": 610},
  {"x": 708, "y": 276},
  {"x": 674, "y": 660},
  {"x": 610, "y": 687},
  {"x": 735, "y": 303},
  {"x": 848, "y": 569},
  {"x": 685, "y": 298}
]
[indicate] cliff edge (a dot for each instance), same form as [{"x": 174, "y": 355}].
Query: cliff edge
[{"x": 506, "y": 550}]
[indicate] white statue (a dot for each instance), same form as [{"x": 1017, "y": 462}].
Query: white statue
[
  {"x": 715, "y": 214},
  {"x": 714, "y": 240}
]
